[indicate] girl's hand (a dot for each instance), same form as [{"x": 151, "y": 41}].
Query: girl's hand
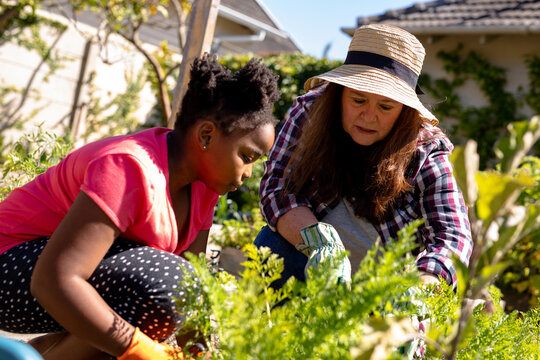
[{"x": 144, "y": 348}]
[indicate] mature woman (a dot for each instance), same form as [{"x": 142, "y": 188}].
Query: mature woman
[{"x": 359, "y": 157}]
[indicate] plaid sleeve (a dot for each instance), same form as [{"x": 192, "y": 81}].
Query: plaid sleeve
[
  {"x": 446, "y": 231},
  {"x": 275, "y": 201}
]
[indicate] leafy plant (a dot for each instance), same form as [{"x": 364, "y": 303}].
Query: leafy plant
[
  {"x": 237, "y": 233},
  {"x": 293, "y": 71},
  {"x": 491, "y": 333},
  {"x": 532, "y": 97},
  {"x": 30, "y": 156},
  {"x": 490, "y": 195},
  {"x": 523, "y": 273},
  {"x": 320, "y": 319}
]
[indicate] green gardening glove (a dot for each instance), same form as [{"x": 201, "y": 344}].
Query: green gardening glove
[{"x": 321, "y": 243}]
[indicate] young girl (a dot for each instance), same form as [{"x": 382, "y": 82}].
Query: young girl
[
  {"x": 91, "y": 250},
  {"x": 358, "y": 158}
]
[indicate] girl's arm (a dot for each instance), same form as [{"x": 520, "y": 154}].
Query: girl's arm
[
  {"x": 59, "y": 281},
  {"x": 199, "y": 244}
]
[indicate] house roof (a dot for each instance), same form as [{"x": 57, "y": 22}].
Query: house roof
[
  {"x": 256, "y": 16},
  {"x": 260, "y": 32},
  {"x": 252, "y": 9},
  {"x": 462, "y": 16}
]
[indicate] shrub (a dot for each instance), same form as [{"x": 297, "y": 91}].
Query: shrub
[
  {"x": 366, "y": 319},
  {"x": 320, "y": 320},
  {"x": 30, "y": 156},
  {"x": 293, "y": 71}
]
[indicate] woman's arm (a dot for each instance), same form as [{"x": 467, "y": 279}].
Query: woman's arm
[
  {"x": 59, "y": 281},
  {"x": 290, "y": 223},
  {"x": 276, "y": 201},
  {"x": 446, "y": 231}
]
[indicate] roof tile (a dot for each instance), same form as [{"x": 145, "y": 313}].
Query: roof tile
[{"x": 500, "y": 15}]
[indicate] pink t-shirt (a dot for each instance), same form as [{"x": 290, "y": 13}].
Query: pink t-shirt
[{"x": 127, "y": 177}]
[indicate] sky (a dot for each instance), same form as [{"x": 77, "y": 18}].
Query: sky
[{"x": 315, "y": 23}]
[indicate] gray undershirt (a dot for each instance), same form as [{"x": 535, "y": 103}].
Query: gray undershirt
[{"x": 356, "y": 233}]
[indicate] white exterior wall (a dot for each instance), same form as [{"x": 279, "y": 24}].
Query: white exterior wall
[
  {"x": 507, "y": 51},
  {"x": 18, "y": 64}
]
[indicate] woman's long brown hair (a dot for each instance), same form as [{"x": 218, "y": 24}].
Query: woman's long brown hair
[{"x": 372, "y": 178}]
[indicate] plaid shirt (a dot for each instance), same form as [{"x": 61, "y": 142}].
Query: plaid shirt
[{"x": 435, "y": 197}]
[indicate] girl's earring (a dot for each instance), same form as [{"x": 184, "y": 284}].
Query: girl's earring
[{"x": 205, "y": 147}]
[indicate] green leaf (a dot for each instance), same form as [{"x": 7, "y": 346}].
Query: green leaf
[
  {"x": 468, "y": 331},
  {"x": 535, "y": 281},
  {"x": 512, "y": 149},
  {"x": 462, "y": 274},
  {"x": 485, "y": 275},
  {"x": 381, "y": 337},
  {"x": 533, "y": 219},
  {"x": 496, "y": 192},
  {"x": 521, "y": 286},
  {"x": 509, "y": 236},
  {"x": 466, "y": 161}
]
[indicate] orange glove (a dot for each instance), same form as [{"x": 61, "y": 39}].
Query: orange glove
[
  {"x": 198, "y": 351},
  {"x": 144, "y": 348}
]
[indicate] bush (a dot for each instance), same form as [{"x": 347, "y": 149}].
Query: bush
[
  {"x": 320, "y": 320},
  {"x": 293, "y": 71},
  {"x": 30, "y": 156},
  {"x": 373, "y": 317}
]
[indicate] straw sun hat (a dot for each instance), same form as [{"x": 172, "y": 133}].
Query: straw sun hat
[{"x": 383, "y": 60}]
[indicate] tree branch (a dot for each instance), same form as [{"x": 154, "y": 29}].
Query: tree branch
[
  {"x": 182, "y": 26},
  {"x": 163, "y": 93},
  {"x": 5, "y": 17}
]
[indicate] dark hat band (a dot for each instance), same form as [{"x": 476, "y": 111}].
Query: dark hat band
[{"x": 382, "y": 62}]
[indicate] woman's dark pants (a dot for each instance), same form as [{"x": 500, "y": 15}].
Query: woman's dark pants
[{"x": 294, "y": 261}]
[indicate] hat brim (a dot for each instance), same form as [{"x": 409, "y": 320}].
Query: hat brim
[{"x": 375, "y": 81}]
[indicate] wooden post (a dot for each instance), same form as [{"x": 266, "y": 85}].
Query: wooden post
[{"x": 202, "y": 23}]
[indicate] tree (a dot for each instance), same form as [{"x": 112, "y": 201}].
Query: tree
[
  {"x": 15, "y": 16},
  {"x": 126, "y": 18},
  {"x": 20, "y": 24}
]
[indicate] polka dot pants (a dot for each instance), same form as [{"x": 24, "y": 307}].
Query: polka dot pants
[{"x": 137, "y": 281}]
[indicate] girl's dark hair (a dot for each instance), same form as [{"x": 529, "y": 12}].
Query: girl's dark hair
[
  {"x": 371, "y": 178},
  {"x": 243, "y": 100}
]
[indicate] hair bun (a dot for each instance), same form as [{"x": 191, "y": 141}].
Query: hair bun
[
  {"x": 243, "y": 100},
  {"x": 257, "y": 84},
  {"x": 205, "y": 75}
]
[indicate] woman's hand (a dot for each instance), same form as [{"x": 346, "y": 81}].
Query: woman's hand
[
  {"x": 59, "y": 281},
  {"x": 321, "y": 242},
  {"x": 428, "y": 279}
]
